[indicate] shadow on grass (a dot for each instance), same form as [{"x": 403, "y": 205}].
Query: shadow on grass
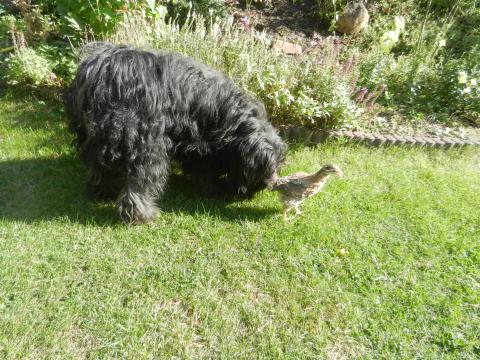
[
  {"x": 181, "y": 196},
  {"x": 45, "y": 189}
]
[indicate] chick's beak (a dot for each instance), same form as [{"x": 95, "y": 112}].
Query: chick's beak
[{"x": 339, "y": 173}]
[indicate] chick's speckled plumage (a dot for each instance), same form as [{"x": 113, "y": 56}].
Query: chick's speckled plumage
[{"x": 296, "y": 188}]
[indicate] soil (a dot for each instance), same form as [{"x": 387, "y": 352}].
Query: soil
[{"x": 295, "y": 22}]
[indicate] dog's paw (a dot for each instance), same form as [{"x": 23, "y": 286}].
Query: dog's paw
[{"x": 136, "y": 209}]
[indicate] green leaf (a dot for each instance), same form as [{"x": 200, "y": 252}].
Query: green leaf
[
  {"x": 151, "y": 4},
  {"x": 73, "y": 23}
]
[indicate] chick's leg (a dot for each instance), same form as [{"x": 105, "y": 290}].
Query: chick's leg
[
  {"x": 285, "y": 213},
  {"x": 297, "y": 210}
]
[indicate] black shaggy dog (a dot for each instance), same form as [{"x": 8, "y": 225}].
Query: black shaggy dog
[{"x": 133, "y": 112}]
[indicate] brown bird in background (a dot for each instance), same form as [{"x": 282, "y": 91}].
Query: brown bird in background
[{"x": 296, "y": 188}]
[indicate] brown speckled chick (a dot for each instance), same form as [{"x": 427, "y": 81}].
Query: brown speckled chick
[{"x": 296, "y": 188}]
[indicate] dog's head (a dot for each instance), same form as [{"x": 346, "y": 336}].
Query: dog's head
[{"x": 263, "y": 153}]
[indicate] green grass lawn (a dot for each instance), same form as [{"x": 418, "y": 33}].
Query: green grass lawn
[{"x": 234, "y": 281}]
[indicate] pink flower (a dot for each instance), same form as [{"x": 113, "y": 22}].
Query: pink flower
[{"x": 245, "y": 21}]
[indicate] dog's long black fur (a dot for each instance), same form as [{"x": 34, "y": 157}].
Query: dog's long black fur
[{"x": 134, "y": 111}]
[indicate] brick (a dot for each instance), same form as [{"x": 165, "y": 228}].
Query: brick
[
  {"x": 359, "y": 138},
  {"x": 429, "y": 141},
  {"x": 295, "y": 132},
  {"x": 390, "y": 139},
  {"x": 439, "y": 143},
  {"x": 419, "y": 141},
  {"x": 348, "y": 134},
  {"x": 409, "y": 140},
  {"x": 307, "y": 135},
  {"x": 449, "y": 143},
  {"x": 287, "y": 48},
  {"x": 399, "y": 139},
  {"x": 368, "y": 137},
  {"x": 319, "y": 136},
  {"x": 379, "y": 140}
]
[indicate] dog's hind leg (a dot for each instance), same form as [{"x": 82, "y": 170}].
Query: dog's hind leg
[
  {"x": 145, "y": 183},
  {"x": 104, "y": 184}
]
